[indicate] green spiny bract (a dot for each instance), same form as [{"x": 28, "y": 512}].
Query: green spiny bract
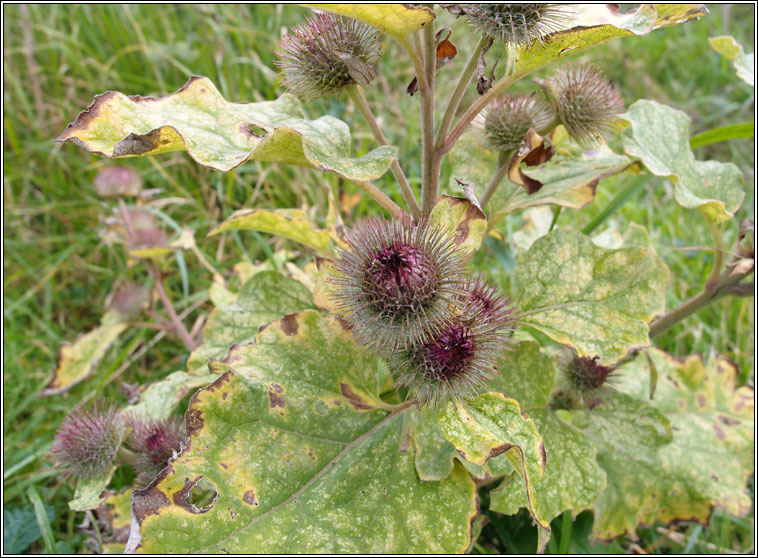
[
  {"x": 509, "y": 118},
  {"x": 326, "y": 54},
  {"x": 587, "y": 379},
  {"x": 585, "y": 102},
  {"x": 397, "y": 283},
  {"x": 456, "y": 363},
  {"x": 519, "y": 24},
  {"x": 86, "y": 443}
]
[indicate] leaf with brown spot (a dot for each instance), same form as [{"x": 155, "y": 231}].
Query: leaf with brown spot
[
  {"x": 265, "y": 297},
  {"x": 493, "y": 424},
  {"x": 320, "y": 478},
  {"x": 707, "y": 462},
  {"x": 217, "y": 133},
  {"x": 462, "y": 219}
]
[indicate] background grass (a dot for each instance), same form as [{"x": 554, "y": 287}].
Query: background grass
[{"x": 57, "y": 270}]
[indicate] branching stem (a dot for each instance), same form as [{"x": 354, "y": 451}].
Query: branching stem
[
  {"x": 497, "y": 178},
  {"x": 178, "y": 325},
  {"x": 359, "y": 98},
  {"x": 381, "y": 198},
  {"x": 430, "y": 179},
  {"x": 455, "y": 99}
]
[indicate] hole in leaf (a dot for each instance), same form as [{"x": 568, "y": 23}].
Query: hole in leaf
[{"x": 201, "y": 496}]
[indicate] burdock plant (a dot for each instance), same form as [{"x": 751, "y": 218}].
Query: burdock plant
[
  {"x": 379, "y": 437},
  {"x": 455, "y": 363},
  {"x": 509, "y": 117}
]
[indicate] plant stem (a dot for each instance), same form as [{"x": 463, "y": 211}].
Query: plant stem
[
  {"x": 429, "y": 184},
  {"x": 126, "y": 217},
  {"x": 731, "y": 287},
  {"x": 497, "y": 178},
  {"x": 381, "y": 198},
  {"x": 711, "y": 284},
  {"x": 475, "y": 109},
  {"x": 359, "y": 98},
  {"x": 178, "y": 325},
  {"x": 460, "y": 89}
]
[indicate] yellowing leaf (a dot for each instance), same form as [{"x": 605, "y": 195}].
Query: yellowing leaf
[
  {"x": 303, "y": 457},
  {"x": 572, "y": 480},
  {"x": 598, "y": 301},
  {"x": 569, "y": 180},
  {"x": 493, "y": 424},
  {"x": 707, "y": 462},
  {"x": 78, "y": 360},
  {"x": 88, "y": 492},
  {"x": 463, "y": 220},
  {"x": 289, "y": 223},
  {"x": 396, "y": 20},
  {"x": 160, "y": 398},
  {"x": 595, "y": 24},
  {"x": 730, "y": 49},
  {"x": 265, "y": 297},
  {"x": 660, "y": 135},
  {"x": 219, "y": 134}
]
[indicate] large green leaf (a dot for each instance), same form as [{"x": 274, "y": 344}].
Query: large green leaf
[
  {"x": 598, "y": 301},
  {"x": 628, "y": 433},
  {"x": 592, "y": 25},
  {"x": 572, "y": 480},
  {"x": 660, "y": 136},
  {"x": 569, "y": 180},
  {"x": 491, "y": 425},
  {"x": 303, "y": 457},
  {"x": 730, "y": 49},
  {"x": 265, "y": 297},
  {"x": 708, "y": 461},
  {"x": 396, "y": 20},
  {"x": 436, "y": 456},
  {"x": 219, "y": 134},
  {"x": 78, "y": 360},
  {"x": 289, "y": 223}
]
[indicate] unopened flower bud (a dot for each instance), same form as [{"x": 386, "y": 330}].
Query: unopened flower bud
[
  {"x": 509, "y": 118},
  {"x": 397, "y": 282},
  {"x": 519, "y": 24},
  {"x": 326, "y": 54},
  {"x": 585, "y": 101},
  {"x": 87, "y": 441}
]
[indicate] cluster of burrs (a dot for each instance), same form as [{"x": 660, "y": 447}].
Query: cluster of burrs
[
  {"x": 92, "y": 441},
  {"x": 404, "y": 290},
  {"x": 578, "y": 96}
]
